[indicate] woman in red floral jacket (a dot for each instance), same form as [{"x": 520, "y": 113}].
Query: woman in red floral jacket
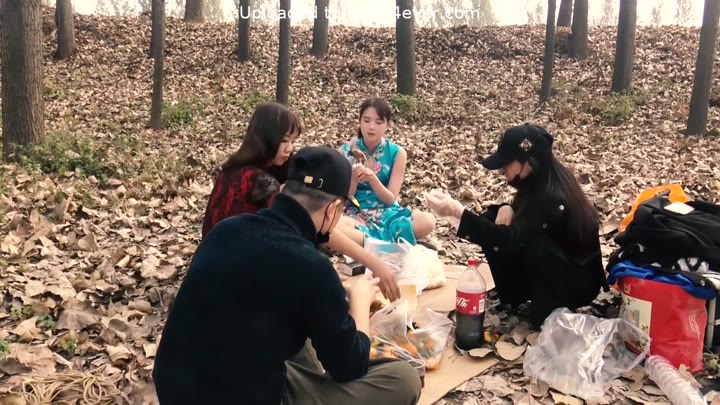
[{"x": 250, "y": 179}]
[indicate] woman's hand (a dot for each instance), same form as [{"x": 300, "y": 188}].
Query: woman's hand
[
  {"x": 388, "y": 285},
  {"x": 359, "y": 172},
  {"x": 444, "y": 205},
  {"x": 505, "y": 215}
]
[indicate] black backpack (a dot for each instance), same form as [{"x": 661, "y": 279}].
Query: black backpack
[{"x": 666, "y": 236}]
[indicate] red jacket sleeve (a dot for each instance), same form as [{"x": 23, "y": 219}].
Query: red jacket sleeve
[{"x": 242, "y": 191}]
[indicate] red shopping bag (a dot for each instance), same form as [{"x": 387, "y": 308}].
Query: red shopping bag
[{"x": 674, "y": 319}]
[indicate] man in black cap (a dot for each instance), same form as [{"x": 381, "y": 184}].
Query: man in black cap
[
  {"x": 547, "y": 237},
  {"x": 257, "y": 289}
]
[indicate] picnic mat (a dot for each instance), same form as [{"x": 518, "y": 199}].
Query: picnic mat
[{"x": 454, "y": 368}]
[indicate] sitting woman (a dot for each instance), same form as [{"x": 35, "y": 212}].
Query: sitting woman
[
  {"x": 379, "y": 169},
  {"x": 250, "y": 179},
  {"x": 544, "y": 247}
]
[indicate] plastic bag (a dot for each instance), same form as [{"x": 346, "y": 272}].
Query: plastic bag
[
  {"x": 396, "y": 334},
  {"x": 578, "y": 354},
  {"x": 674, "y": 319},
  {"x": 429, "y": 333},
  {"x": 675, "y": 194},
  {"x": 410, "y": 265}
]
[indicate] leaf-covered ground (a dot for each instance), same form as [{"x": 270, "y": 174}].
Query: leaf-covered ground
[{"x": 97, "y": 226}]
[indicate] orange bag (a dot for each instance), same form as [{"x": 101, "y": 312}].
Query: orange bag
[{"x": 674, "y": 193}]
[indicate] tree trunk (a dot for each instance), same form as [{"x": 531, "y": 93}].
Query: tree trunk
[
  {"x": 697, "y": 118},
  {"x": 65, "y": 29},
  {"x": 283, "y": 73},
  {"x": 154, "y": 33},
  {"x": 320, "y": 29},
  {"x": 549, "y": 53},
  {"x": 244, "y": 30},
  {"x": 625, "y": 46},
  {"x": 579, "y": 37},
  {"x": 194, "y": 11},
  {"x": 405, "y": 47},
  {"x": 565, "y": 14},
  {"x": 158, "y": 47},
  {"x": 22, "y": 75}
]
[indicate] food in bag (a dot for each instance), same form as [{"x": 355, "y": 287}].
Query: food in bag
[{"x": 396, "y": 335}]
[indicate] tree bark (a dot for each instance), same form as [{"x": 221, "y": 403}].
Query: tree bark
[
  {"x": 405, "y": 47},
  {"x": 565, "y": 14},
  {"x": 22, "y": 75},
  {"x": 158, "y": 47},
  {"x": 282, "y": 89},
  {"x": 244, "y": 30},
  {"x": 579, "y": 38},
  {"x": 625, "y": 46},
  {"x": 153, "y": 32},
  {"x": 65, "y": 29},
  {"x": 320, "y": 29},
  {"x": 194, "y": 11},
  {"x": 546, "y": 88},
  {"x": 697, "y": 117}
]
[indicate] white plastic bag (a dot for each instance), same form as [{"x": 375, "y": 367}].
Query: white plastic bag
[
  {"x": 410, "y": 265},
  {"x": 578, "y": 354}
]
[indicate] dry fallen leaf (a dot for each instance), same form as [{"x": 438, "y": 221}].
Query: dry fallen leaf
[
  {"x": 561, "y": 399},
  {"x": 479, "y": 352},
  {"x": 532, "y": 338},
  {"x": 509, "y": 351},
  {"x": 538, "y": 388}
]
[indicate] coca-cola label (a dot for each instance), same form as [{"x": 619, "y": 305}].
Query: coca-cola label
[{"x": 470, "y": 303}]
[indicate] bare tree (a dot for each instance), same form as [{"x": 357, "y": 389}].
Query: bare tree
[
  {"x": 244, "y": 30},
  {"x": 22, "y": 74},
  {"x": 579, "y": 37},
  {"x": 405, "y": 47},
  {"x": 564, "y": 18},
  {"x": 625, "y": 46},
  {"x": 194, "y": 11},
  {"x": 282, "y": 88},
  {"x": 65, "y": 29},
  {"x": 546, "y": 88},
  {"x": 158, "y": 48},
  {"x": 320, "y": 29},
  {"x": 697, "y": 118}
]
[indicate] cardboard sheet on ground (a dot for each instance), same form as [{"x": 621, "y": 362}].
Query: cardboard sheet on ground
[{"x": 454, "y": 368}]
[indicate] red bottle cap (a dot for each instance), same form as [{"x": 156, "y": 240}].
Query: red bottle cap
[{"x": 472, "y": 262}]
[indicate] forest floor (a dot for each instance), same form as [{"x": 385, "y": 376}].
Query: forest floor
[{"x": 98, "y": 225}]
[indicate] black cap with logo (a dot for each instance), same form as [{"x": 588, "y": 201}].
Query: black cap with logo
[
  {"x": 520, "y": 143},
  {"x": 323, "y": 168}
]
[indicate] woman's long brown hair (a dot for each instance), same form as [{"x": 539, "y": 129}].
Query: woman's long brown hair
[{"x": 269, "y": 125}]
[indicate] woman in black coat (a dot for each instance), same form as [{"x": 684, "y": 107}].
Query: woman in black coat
[{"x": 544, "y": 246}]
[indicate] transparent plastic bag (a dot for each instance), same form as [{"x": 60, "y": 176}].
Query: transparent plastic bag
[
  {"x": 396, "y": 334},
  {"x": 578, "y": 354},
  {"x": 409, "y": 265},
  {"x": 429, "y": 333}
]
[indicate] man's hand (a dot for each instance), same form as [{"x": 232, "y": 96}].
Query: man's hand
[
  {"x": 505, "y": 215},
  {"x": 388, "y": 285},
  {"x": 362, "y": 292}
]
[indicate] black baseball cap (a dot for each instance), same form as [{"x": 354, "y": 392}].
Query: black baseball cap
[
  {"x": 323, "y": 168},
  {"x": 520, "y": 143}
]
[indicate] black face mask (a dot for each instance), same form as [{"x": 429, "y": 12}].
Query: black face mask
[
  {"x": 529, "y": 180},
  {"x": 323, "y": 237}
]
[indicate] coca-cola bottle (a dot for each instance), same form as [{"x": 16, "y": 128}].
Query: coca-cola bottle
[{"x": 470, "y": 301}]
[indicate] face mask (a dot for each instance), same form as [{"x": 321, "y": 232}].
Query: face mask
[
  {"x": 518, "y": 182},
  {"x": 323, "y": 237}
]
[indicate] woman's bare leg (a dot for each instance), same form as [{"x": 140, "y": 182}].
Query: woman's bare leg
[
  {"x": 346, "y": 225},
  {"x": 423, "y": 224}
]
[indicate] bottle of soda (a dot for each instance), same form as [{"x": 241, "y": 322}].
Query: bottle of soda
[{"x": 470, "y": 301}]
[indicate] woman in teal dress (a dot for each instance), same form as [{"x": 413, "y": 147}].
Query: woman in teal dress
[{"x": 378, "y": 171}]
